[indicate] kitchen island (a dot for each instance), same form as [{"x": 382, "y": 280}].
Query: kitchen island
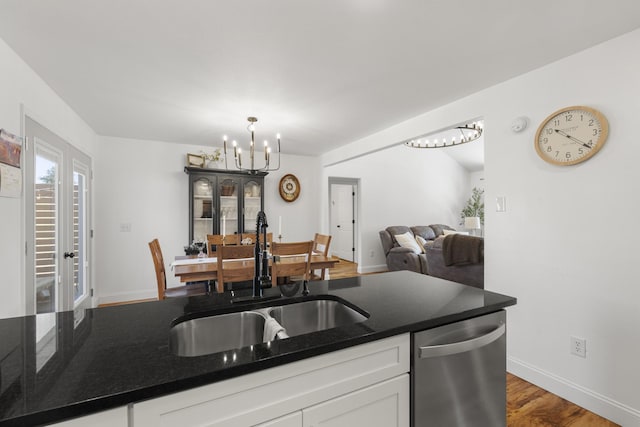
[{"x": 108, "y": 358}]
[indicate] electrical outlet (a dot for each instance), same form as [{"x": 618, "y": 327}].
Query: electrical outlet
[
  {"x": 371, "y": 254},
  {"x": 579, "y": 346},
  {"x": 125, "y": 227}
]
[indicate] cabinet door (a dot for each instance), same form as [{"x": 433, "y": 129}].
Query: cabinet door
[
  {"x": 290, "y": 420},
  {"x": 229, "y": 215},
  {"x": 385, "y": 404},
  {"x": 252, "y": 202},
  {"x": 202, "y": 208}
]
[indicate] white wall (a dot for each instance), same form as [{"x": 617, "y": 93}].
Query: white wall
[
  {"x": 142, "y": 183},
  {"x": 564, "y": 247},
  {"x": 400, "y": 186},
  {"x": 476, "y": 180},
  {"x": 20, "y": 86}
]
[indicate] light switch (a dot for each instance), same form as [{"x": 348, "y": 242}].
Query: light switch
[{"x": 501, "y": 204}]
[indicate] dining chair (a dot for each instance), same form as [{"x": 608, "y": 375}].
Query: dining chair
[
  {"x": 291, "y": 261},
  {"x": 215, "y": 240},
  {"x": 199, "y": 288},
  {"x": 321, "y": 244},
  {"x": 230, "y": 267}
]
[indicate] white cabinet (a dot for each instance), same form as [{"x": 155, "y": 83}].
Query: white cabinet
[
  {"x": 385, "y": 405},
  {"x": 112, "y": 418},
  {"x": 277, "y": 395}
]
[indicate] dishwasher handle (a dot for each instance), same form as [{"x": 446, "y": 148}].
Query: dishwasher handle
[{"x": 462, "y": 346}]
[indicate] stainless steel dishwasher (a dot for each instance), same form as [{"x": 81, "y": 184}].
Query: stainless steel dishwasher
[{"x": 458, "y": 374}]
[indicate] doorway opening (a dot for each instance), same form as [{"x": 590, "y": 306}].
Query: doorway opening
[{"x": 343, "y": 214}]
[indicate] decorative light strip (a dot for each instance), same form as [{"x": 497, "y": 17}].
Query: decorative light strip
[{"x": 469, "y": 132}]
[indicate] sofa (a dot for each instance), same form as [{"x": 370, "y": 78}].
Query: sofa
[{"x": 443, "y": 254}]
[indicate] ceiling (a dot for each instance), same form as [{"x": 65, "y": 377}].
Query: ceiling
[{"x": 322, "y": 73}]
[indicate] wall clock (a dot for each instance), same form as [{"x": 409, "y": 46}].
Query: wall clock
[
  {"x": 289, "y": 188},
  {"x": 571, "y": 135}
]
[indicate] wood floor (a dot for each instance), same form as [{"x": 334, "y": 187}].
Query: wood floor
[{"x": 527, "y": 404}]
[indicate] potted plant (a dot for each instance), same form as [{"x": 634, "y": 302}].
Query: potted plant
[
  {"x": 474, "y": 208},
  {"x": 211, "y": 159}
]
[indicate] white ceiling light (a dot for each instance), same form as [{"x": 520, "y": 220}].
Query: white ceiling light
[{"x": 467, "y": 133}]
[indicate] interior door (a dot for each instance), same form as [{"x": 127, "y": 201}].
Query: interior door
[
  {"x": 342, "y": 221},
  {"x": 57, "y": 193}
]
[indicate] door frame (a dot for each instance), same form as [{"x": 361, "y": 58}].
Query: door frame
[{"x": 355, "y": 183}]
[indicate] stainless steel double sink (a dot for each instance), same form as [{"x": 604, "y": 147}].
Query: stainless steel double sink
[{"x": 222, "y": 332}]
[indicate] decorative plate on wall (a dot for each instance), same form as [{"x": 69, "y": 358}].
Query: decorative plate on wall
[{"x": 289, "y": 188}]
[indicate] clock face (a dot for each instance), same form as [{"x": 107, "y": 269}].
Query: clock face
[
  {"x": 289, "y": 188},
  {"x": 571, "y": 135}
]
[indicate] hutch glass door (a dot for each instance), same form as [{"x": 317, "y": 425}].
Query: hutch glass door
[
  {"x": 203, "y": 209},
  {"x": 252, "y": 203},
  {"x": 228, "y": 206}
]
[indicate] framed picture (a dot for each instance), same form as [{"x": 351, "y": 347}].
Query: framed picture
[
  {"x": 10, "y": 149},
  {"x": 196, "y": 160},
  {"x": 10, "y": 171}
]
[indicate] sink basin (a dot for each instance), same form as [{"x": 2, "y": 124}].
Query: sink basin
[
  {"x": 213, "y": 334},
  {"x": 222, "y": 332},
  {"x": 310, "y": 316}
]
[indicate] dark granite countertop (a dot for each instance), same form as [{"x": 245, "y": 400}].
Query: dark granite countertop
[{"x": 107, "y": 357}]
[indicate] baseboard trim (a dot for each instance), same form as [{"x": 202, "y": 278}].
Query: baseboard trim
[
  {"x": 372, "y": 269},
  {"x": 575, "y": 393},
  {"x": 126, "y": 296}
]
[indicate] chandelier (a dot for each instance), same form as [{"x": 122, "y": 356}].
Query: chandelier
[
  {"x": 237, "y": 153},
  {"x": 469, "y": 132}
]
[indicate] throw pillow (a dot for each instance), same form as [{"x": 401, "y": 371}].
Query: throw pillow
[
  {"x": 466, "y": 233},
  {"x": 407, "y": 240},
  {"x": 421, "y": 242}
]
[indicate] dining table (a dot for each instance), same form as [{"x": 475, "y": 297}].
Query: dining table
[{"x": 191, "y": 268}]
